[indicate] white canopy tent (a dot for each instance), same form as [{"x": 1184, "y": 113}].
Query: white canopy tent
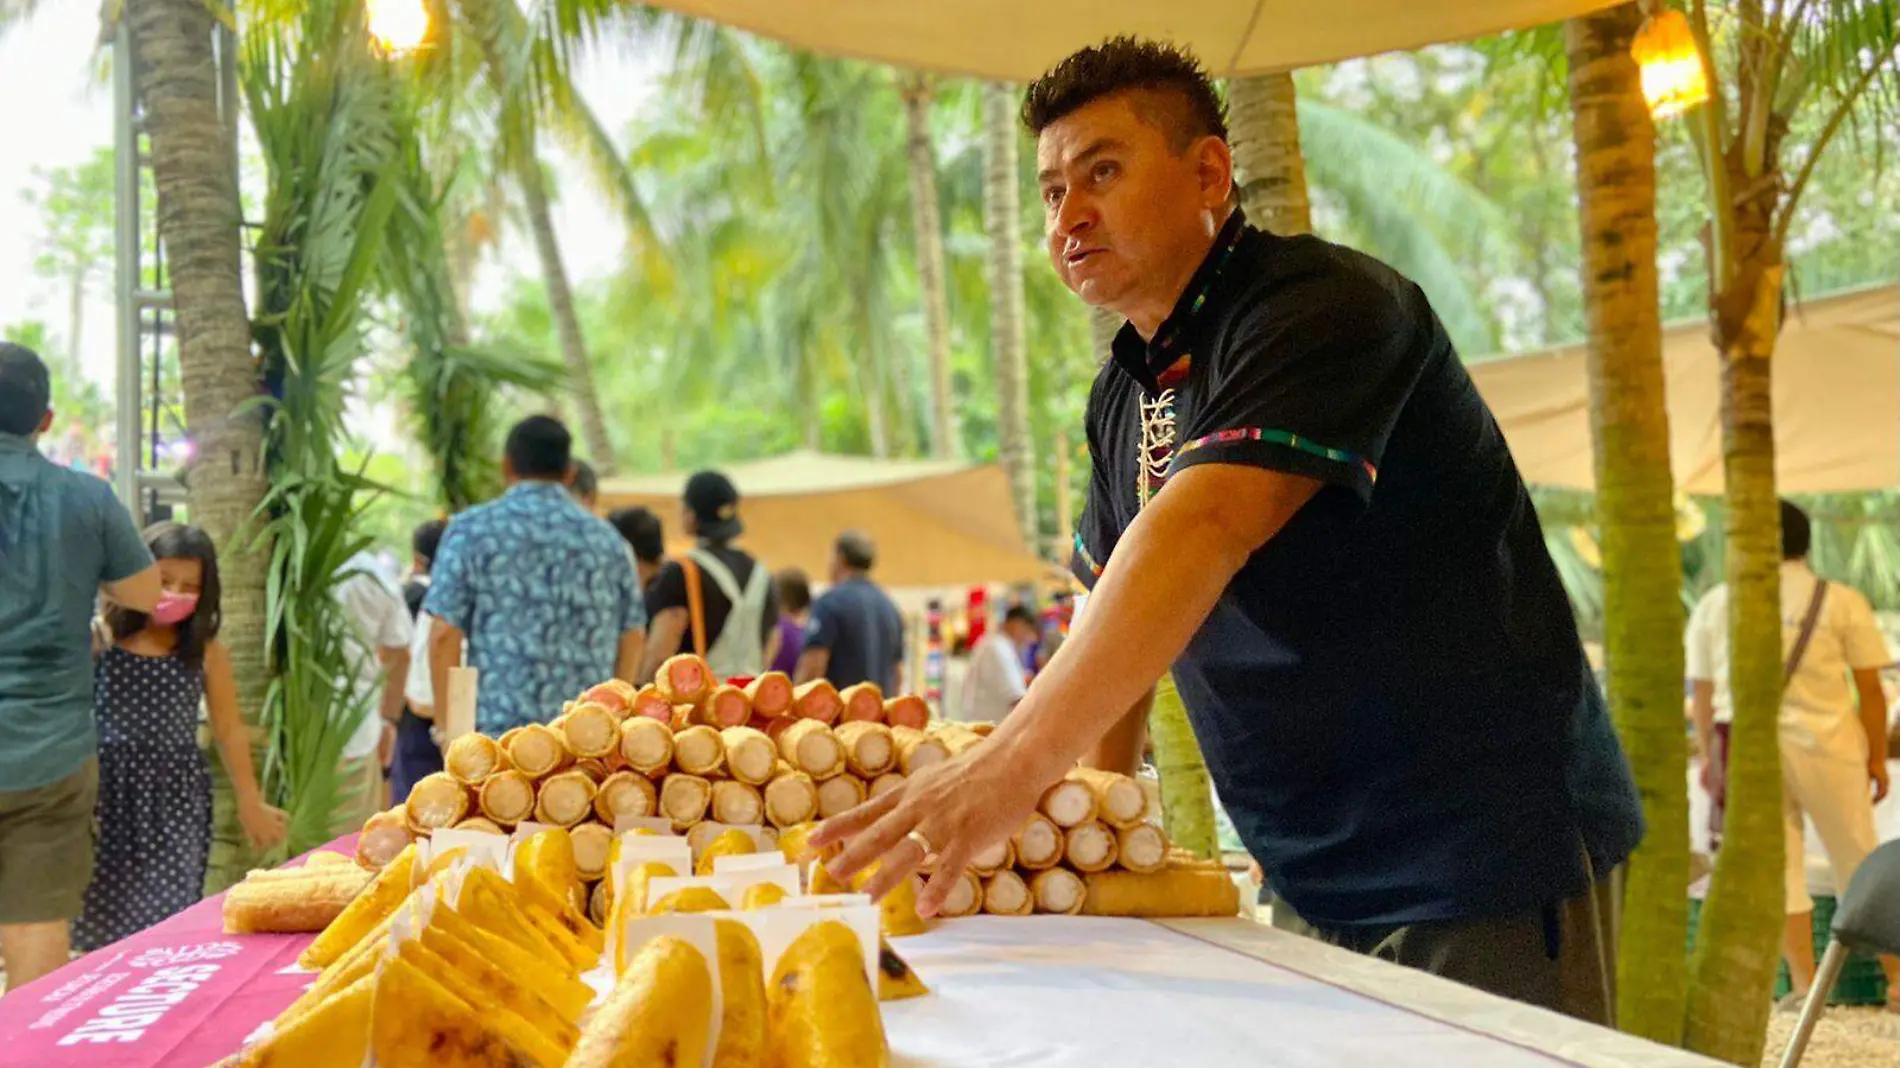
[
  {"x": 937, "y": 523},
  {"x": 1836, "y": 401},
  {"x": 1009, "y": 40}
]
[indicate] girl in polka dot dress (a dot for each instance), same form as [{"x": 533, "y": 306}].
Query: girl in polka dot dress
[{"x": 154, "y": 789}]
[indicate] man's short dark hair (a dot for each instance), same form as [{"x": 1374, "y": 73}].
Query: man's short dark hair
[
  {"x": 25, "y": 390},
  {"x": 643, "y": 530},
  {"x": 1189, "y": 107},
  {"x": 1020, "y": 614},
  {"x": 540, "y": 447},
  {"x": 586, "y": 483},
  {"x": 428, "y": 538},
  {"x": 1797, "y": 533},
  {"x": 857, "y": 550}
]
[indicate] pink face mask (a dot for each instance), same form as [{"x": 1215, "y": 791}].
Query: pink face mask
[{"x": 174, "y": 608}]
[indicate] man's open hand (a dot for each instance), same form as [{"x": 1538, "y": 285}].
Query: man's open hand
[{"x": 959, "y": 807}]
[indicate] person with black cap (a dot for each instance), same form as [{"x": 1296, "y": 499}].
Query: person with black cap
[{"x": 716, "y": 600}]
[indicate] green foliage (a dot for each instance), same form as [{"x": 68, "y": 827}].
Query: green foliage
[
  {"x": 327, "y": 118},
  {"x": 449, "y": 386}
]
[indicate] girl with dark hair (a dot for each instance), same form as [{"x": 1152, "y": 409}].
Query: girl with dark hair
[{"x": 154, "y": 789}]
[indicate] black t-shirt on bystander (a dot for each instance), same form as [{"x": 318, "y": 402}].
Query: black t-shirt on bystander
[
  {"x": 668, "y": 590},
  {"x": 1391, "y": 695}
]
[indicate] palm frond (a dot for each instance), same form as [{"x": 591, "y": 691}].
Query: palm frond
[
  {"x": 1409, "y": 210},
  {"x": 330, "y": 123}
]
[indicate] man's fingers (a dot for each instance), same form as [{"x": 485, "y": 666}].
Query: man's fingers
[
  {"x": 894, "y": 865},
  {"x": 873, "y": 842},
  {"x": 846, "y": 824},
  {"x": 949, "y": 873}
]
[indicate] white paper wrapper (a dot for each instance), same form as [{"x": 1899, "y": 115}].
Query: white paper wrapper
[
  {"x": 488, "y": 850},
  {"x": 762, "y": 861},
  {"x": 703, "y": 833},
  {"x": 730, "y": 885},
  {"x": 777, "y": 928},
  {"x": 637, "y": 849},
  {"x": 657, "y": 824},
  {"x": 697, "y": 930}
]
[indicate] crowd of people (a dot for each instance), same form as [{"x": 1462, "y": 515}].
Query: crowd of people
[
  {"x": 1345, "y": 579},
  {"x": 110, "y": 659}
]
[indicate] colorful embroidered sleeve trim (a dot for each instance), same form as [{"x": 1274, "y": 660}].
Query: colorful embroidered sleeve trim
[
  {"x": 1278, "y": 437},
  {"x": 1082, "y": 551}
]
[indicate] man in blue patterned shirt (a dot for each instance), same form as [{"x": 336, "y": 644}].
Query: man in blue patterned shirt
[{"x": 544, "y": 593}]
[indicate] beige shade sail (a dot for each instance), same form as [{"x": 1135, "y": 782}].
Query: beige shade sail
[
  {"x": 1011, "y": 40},
  {"x": 936, "y": 523},
  {"x": 1836, "y": 402}
]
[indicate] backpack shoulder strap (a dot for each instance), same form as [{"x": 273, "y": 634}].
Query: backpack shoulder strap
[
  {"x": 1808, "y": 623},
  {"x": 695, "y": 604}
]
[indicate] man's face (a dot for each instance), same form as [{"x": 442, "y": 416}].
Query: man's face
[{"x": 1127, "y": 218}]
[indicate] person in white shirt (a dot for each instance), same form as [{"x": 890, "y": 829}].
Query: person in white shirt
[
  {"x": 1833, "y": 725},
  {"x": 417, "y": 754},
  {"x": 998, "y": 677},
  {"x": 379, "y": 638}
]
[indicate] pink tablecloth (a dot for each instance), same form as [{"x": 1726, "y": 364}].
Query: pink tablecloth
[{"x": 182, "y": 993}]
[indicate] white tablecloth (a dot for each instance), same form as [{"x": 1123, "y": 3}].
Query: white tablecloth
[{"x": 1100, "y": 993}]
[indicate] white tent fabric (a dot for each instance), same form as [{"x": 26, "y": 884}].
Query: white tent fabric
[
  {"x": 1836, "y": 401},
  {"x": 936, "y": 523},
  {"x": 1012, "y": 41}
]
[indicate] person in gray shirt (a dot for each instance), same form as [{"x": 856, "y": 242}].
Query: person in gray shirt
[{"x": 63, "y": 538}]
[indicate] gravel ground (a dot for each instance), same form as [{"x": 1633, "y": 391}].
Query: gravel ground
[{"x": 1845, "y": 1038}]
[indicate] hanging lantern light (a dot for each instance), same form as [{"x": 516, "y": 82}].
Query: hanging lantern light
[
  {"x": 398, "y": 26},
  {"x": 1673, "y": 79}
]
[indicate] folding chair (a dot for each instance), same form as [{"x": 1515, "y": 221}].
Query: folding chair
[{"x": 1867, "y": 921}]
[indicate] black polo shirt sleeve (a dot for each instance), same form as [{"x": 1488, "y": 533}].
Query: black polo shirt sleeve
[
  {"x": 1096, "y": 531},
  {"x": 1311, "y": 381}
]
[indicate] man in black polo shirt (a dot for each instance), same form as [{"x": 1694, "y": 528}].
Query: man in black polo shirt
[{"x": 1300, "y": 503}]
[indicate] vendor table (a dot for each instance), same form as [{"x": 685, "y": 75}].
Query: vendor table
[{"x": 1045, "y": 991}]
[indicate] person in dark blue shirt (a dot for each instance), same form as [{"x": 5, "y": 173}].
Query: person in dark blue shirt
[
  {"x": 855, "y": 634},
  {"x": 1301, "y": 506}
]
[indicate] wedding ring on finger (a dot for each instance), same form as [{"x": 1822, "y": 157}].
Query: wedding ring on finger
[{"x": 922, "y": 844}]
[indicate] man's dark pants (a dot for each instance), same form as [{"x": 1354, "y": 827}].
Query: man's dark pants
[{"x": 1561, "y": 957}]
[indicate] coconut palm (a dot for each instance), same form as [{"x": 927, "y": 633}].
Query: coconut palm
[
  {"x": 525, "y": 66},
  {"x": 1769, "y": 67},
  {"x": 327, "y": 114},
  {"x": 917, "y": 90},
  {"x": 1635, "y": 511},
  {"x": 198, "y": 228},
  {"x": 1263, "y": 120},
  {"x": 1003, "y": 219}
]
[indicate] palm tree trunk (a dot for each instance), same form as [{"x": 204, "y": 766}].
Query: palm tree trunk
[
  {"x": 1002, "y": 218},
  {"x": 1738, "y": 948},
  {"x": 567, "y": 324},
  {"x": 75, "y": 322},
  {"x": 1271, "y": 174},
  {"x": 198, "y": 217},
  {"x": 927, "y": 217},
  {"x": 1616, "y": 170},
  {"x": 1187, "y": 794}
]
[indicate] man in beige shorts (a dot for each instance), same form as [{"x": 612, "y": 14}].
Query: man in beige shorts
[
  {"x": 1833, "y": 728},
  {"x": 63, "y": 539}
]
